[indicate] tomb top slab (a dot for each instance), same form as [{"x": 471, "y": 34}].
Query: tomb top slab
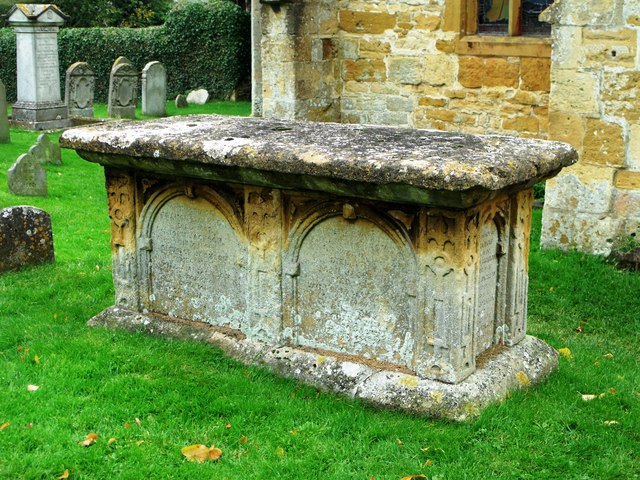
[{"x": 384, "y": 163}]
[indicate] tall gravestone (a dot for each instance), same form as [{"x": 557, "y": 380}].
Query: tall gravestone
[
  {"x": 123, "y": 91},
  {"x": 27, "y": 177},
  {"x": 39, "y": 105},
  {"x": 79, "y": 89},
  {"x": 25, "y": 237},
  {"x": 4, "y": 121},
  {"x": 154, "y": 89}
]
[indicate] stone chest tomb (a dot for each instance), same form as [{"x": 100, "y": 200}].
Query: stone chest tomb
[{"x": 385, "y": 263}]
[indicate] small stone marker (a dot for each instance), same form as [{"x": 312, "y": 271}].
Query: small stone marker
[
  {"x": 123, "y": 91},
  {"x": 154, "y": 89},
  {"x": 79, "y": 89},
  {"x": 5, "y": 136},
  {"x": 27, "y": 177},
  {"x": 46, "y": 151},
  {"x": 181, "y": 101},
  {"x": 25, "y": 237},
  {"x": 38, "y": 106},
  {"x": 198, "y": 97}
]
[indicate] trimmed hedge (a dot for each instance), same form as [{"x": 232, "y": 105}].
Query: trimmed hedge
[{"x": 202, "y": 45}]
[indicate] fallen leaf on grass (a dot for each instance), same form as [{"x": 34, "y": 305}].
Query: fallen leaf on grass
[
  {"x": 4, "y": 425},
  {"x": 565, "y": 352},
  {"x": 428, "y": 463},
  {"x": 201, "y": 453},
  {"x": 33, "y": 388},
  {"x": 522, "y": 378},
  {"x": 89, "y": 440},
  {"x": 608, "y": 355},
  {"x": 64, "y": 475},
  {"x": 36, "y": 360},
  {"x": 111, "y": 440},
  {"x": 243, "y": 439},
  {"x": 228, "y": 425},
  {"x": 29, "y": 425},
  {"x": 412, "y": 477},
  {"x": 613, "y": 391},
  {"x": 610, "y": 422},
  {"x": 138, "y": 422}
]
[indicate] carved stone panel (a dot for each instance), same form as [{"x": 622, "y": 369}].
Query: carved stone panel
[
  {"x": 79, "y": 89},
  {"x": 487, "y": 287},
  {"x": 123, "y": 91},
  {"x": 356, "y": 290},
  {"x": 197, "y": 260}
]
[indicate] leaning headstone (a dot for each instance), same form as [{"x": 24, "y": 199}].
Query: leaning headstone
[
  {"x": 154, "y": 89},
  {"x": 25, "y": 237},
  {"x": 123, "y": 91},
  {"x": 5, "y": 136},
  {"x": 181, "y": 101},
  {"x": 39, "y": 105},
  {"x": 46, "y": 151},
  {"x": 79, "y": 89},
  {"x": 27, "y": 177},
  {"x": 198, "y": 97}
]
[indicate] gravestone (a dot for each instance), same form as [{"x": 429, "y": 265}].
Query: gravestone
[
  {"x": 27, "y": 177},
  {"x": 154, "y": 89},
  {"x": 181, "y": 101},
  {"x": 119, "y": 61},
  {"x": 5, "y": 135},
  {"x": 79, "y": 89},
  {"x": 390, "y": 262},
  {"x": 123, "y": 91},
  {"x": 25, "y": 237},
  {"x": 198, "y": 97},
  {"x": 46, "y": 151},
  {"x": 38, "y": 105}
]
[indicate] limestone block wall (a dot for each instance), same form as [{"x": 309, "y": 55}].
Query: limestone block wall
[
  {"x": 594, "y": 106},
  {"x": 394, "y": 62}
]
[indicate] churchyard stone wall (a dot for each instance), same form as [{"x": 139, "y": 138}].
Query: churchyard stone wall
[
  {"x": 395, "y": 62},
  {"x": 408, "y": 62},
  {"x": 594, "y": 106}
]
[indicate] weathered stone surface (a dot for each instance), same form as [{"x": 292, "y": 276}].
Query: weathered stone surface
[
  {"x": 380, "y": 162},
  {"x": 79, "y": 89},
  {"x": 123, "y": 91},
  {"x": 27, "y": 177},
  {"x": 198, "y": 97},
  {"x": 25, "y": 237},
  {"x": 181, "y": 101},
  {"x": 5, "y": 134},
  {"x": 154, "y": 89},
  {"x": 250, "y": 226},
  {"x": 527, "y": 363},
  {"x": 39, "y": 105},
  {"x": 45, "y": 151}
]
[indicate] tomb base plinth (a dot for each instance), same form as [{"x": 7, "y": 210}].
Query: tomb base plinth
[
  {"x": 387, "y": 263},
  {"x": 40, "y": 116},
  {"x": 521, "y": 366}
]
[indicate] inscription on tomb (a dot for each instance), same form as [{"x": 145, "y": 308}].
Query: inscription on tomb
[
  {"x": 47, "y": 62},
  {"x": 370, "y": 313},
  {"x": 197, "y": 264}
]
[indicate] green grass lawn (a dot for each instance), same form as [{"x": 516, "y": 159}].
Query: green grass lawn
[{"x": 183, "y": 393}]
